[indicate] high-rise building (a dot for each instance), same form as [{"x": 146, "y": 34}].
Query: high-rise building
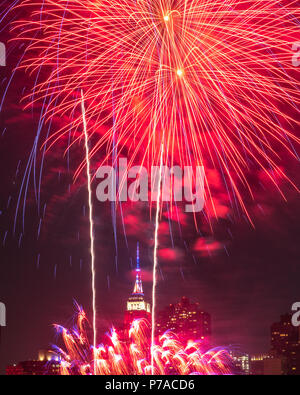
[
  {"x": 285, "y": 342},
  {"x": 137, "y": 306},
  {"x": 187, "y": 320}
]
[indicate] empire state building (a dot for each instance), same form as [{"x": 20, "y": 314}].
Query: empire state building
[{"x": 137, "y": 306}]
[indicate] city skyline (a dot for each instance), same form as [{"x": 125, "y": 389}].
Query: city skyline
[
  {"x": 136, "y": 307},
  {"x": 187, "y": 321}
]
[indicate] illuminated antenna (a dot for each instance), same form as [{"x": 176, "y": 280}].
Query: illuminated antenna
[
  {"x": 138, "y": 257},
  {"x": 138, "y": 287}
]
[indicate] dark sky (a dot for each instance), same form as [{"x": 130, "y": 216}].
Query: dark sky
[{"x": 244, "y": 277}]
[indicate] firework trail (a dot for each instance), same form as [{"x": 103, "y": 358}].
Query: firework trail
[
  {"x": 128, "y": 353},
  {"x": 91, "y": 221},
  {"x": 155, "y": 254}
]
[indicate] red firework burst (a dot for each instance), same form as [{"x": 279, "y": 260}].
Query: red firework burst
[{"x": 211, "y": 80}]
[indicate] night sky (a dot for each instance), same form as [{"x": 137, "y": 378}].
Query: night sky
[{"x": 244, "y": 276}]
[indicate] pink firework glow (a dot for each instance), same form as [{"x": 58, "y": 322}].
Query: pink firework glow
[{"x": 128, "y": 352}]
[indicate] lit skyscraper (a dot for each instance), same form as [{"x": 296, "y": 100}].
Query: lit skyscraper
[
  {"x": 137, "y": 306},
  {"x": 187, "y": 320},
  {"x": 285, "y": 342}
]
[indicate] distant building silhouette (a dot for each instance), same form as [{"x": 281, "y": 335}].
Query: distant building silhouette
[
  {"x": 266, "y": 364},
  {"x": 34, "y": 368},
  {"x": 47, "y": 364}
]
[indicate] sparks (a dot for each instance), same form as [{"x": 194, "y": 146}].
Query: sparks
[
  {"x": 155, "y": 258},
  {"x": 91, "y": 222},
  {"x": 128, "y": 353},
  {"x": 179, "y": 72}
]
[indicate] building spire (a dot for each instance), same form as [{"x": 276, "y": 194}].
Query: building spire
[
  {"x": 138, "y": 256},
  {"x": 138, "y": 287}
]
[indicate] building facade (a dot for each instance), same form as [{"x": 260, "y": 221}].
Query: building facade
[
  {"x": 187, "y": 320},
  {"x": 285, "y": 343},
  {"x": 267, "y": 365}
]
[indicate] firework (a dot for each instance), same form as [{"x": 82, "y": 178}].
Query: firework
[
  {"x": 212, "y": 79},
  {"x": 128, "y": 353}
]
